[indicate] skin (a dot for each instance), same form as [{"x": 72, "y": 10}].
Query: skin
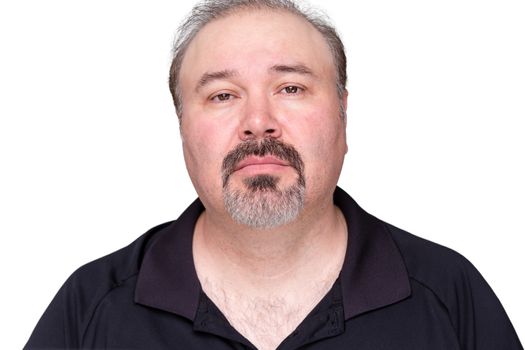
[{"x": 295, "y": 263}]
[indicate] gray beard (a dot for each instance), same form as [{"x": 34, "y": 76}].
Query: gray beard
[{"x": 262, "y": 205}]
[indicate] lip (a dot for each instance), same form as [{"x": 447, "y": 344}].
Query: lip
[{"x": 254, "y": 161}]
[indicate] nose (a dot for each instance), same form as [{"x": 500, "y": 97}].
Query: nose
[{"x": 258, "y": 121}]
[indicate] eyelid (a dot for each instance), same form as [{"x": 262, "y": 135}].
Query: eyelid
[
  {"x": 301, "y": 88},
  {"x": 214, "y": 97}
]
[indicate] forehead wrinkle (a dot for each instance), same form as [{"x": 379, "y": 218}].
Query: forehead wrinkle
[{"x": 208, "y": 77}]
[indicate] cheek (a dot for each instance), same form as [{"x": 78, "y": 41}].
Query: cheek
[
  {"x": 320, "y": 135},
  {"x": 199, "y": 147},
  {"x": 320, "y": 139},
  {"x": 205, "y": 145}
]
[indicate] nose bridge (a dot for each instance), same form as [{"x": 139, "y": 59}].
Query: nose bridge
[{"x": 258, "y": 119}]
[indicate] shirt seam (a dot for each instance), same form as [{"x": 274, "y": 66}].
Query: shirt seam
[
  {"x": 424, "y": 285},
  {"x": 116, "y": 285}
]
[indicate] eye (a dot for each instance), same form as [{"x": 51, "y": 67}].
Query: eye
[
  {"x": 292, "y": 90},
  {"x": 222, "y": 97}
]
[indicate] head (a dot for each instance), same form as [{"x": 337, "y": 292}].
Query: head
[{"x": 259, "y": 87}]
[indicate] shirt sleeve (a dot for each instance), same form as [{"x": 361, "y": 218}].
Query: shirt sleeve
[
  {"x": 479, "y": 318},
  {"x": 58, "y": 328},
  {"x": 63, "y": 324}
]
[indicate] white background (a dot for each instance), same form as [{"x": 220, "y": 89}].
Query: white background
[{"x": 91, "y": 157}]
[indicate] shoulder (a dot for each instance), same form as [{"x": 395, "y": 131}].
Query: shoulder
[
  {"x": 473, "y": 309},
  {"x": 90, "y": 283},
  {"x": 67, "y": 317},
  {"x": 444, "y": 271},
  {"x": 423, "y": 256},
  {"x": 111, "y": 270}
]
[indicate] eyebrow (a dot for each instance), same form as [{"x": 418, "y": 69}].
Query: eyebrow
[
  {"x": 296, "y": 68},
  {"x": 208, "y": 77}
]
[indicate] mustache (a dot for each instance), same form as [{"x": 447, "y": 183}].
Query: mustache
[{"x": 267, "y": 146}]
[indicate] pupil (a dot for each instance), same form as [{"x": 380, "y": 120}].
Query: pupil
[{"x": 291, "y": 89}]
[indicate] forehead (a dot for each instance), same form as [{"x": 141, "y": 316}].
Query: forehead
[{"x": 256, "y": 39}]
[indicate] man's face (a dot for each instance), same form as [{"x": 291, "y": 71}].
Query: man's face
[{"x": 261, "y": 127}]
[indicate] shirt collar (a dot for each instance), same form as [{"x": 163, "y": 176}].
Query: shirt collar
[{"x": 373, "y": 273}]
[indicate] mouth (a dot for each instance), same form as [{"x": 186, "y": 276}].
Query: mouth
[
  {"x": 262, "y": 163},
  {"x": 267, "y": 157}
]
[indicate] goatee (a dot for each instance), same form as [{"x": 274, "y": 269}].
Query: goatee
[{"x": 262, "y": 204}]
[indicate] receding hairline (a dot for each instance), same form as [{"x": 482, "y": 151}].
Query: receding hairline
[{"x": 247, "y": 10}]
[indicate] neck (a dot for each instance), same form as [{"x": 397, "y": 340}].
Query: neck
[{"x": 272, "y": 258}]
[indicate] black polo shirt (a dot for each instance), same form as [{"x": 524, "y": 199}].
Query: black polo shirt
[{"x": 395, "y": 291}]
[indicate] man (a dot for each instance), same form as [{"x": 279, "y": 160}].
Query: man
[{"x": 272, "y": 254}]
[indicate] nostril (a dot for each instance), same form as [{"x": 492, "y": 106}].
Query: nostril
[
  {"x": 270, "y": 131},
  {"x": 247, "y": 135}
]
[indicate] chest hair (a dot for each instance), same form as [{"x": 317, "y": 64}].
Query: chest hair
[{"x": 266, "y": 319}]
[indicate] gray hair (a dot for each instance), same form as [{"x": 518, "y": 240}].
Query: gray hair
[{"x": 210, "y": 10}]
